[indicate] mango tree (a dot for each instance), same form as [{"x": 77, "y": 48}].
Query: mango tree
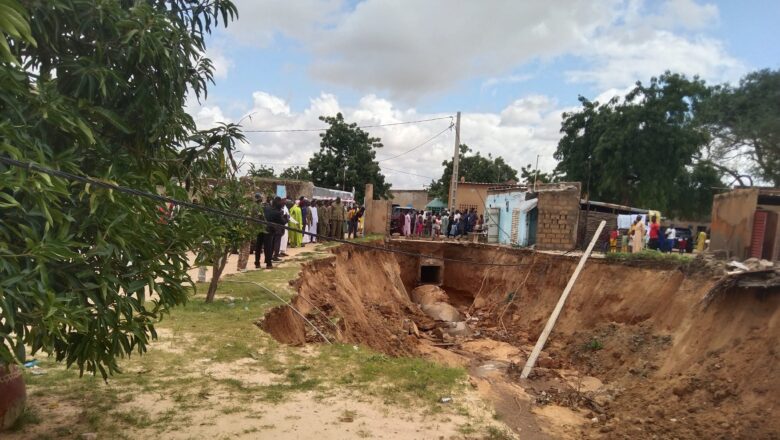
[{"x": 98, "y": 88}]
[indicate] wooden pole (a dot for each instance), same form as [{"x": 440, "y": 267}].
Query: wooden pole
[
  {"x": 558, "y": 307},
  {"x": 455, "y": 160}
]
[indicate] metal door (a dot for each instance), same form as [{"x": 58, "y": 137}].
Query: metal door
[
  {"x": 759, "y": 229},
  {"x": 492, "y": 222}
]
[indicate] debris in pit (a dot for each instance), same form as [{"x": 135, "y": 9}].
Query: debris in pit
[{"x": 442, "y": 312}]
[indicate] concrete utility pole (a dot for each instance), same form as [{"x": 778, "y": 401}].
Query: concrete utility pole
[
  {"x": 558, "y": 307},
  {"x": 455, "y": 159}
]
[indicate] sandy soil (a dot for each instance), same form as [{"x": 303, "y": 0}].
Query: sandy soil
[
  {"x": 232, "y": 264},
  {"x": 636, "y": 352}
]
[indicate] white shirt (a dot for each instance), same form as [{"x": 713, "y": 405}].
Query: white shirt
[{"x": 671, "y": 233}]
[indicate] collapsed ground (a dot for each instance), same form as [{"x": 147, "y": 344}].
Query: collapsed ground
[
  {"x": 213, "y": 374},
  {"x": 640, "y": 351}
]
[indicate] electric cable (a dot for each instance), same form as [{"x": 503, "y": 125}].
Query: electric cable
[
  {"x": 419, "y": 145},
  {"x": 305, "y": 130},
  {"x": 29, "y": 166}
]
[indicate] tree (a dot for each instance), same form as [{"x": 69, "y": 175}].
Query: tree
[
  {"x": 529, "y": 175},
  {"x": 100, "y": 91},
  {"x": 474, "y": 168},
  {"x": 296, "y": 173},
  {"x": 744, "y": 123},
  {"x": 260, "y": 171},
  {"x": 636, "y": 150},
  {"x": 347, "y": 159},
  {"x": 225, "y": 234}
]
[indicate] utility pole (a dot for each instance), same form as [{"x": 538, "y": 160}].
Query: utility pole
[
  {"x": 536, "y": 176},
  {"x": 455, "y": 159}
]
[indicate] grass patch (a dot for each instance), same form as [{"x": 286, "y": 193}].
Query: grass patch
[
  {"x": 395, "y": 379},
  {"x": 650, "y": 255},
  {"x": 495, "y": 433},
  {"x": 29, "y": 417},
  {"x": 156, "y": 392},
  {"x": 593, "y": 345}
]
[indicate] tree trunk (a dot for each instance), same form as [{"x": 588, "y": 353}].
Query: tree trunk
[{"x": 219, "y": 266}]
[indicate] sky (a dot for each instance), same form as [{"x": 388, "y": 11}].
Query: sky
[{"x": 512, "y": 68}]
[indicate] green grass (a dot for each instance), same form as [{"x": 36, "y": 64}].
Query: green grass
[
  {"x": 650, "y": 255},
  {"x": 29, "y": 417},
  {"x": 593, "y": 345},
  {"x": 394, "y": 379},
  {"x": 197, "y": 335}
]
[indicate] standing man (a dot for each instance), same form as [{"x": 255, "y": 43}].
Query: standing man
[
  {"x": 407, "y": 224},
  {"x": 671, "y": 238},
  {"x": 296, "y": 224},
  {"x": 273, "y": 214},
  {"x": 315, "y": 218},
  {"x": 655, "y": 229},
  {"x": 304, "y": 205},
  {"x": 280, "y": 248},
  {"x": 638, "y": 239},
  {"x": 261, "y": 212},
  {"x": 445, "y": 223},
  {"x": 325, "y": 219},
  {"x": 246, "y": 247},
  {"x": 337, "y": 219}
]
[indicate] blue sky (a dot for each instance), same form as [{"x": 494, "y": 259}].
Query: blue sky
[{"x": 511, "y": 67}]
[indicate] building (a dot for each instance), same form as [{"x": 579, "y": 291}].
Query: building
[
  {"x": 474, "y": 194},
  {"x": 511, "y": 216},
  {"x": 547, "y": 218},
  {"x": 410, "y": 198},
  {"x": 591, "y": 215},
  {"x": 745, "y": 223},
  {"x": 272, "y": 186},
  {"x": 558, "y": 215}
]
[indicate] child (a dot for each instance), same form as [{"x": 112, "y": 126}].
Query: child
[{"x": 613, "y": 239}]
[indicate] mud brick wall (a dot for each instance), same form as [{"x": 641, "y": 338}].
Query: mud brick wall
[
  {"x": 589, "y": 222},
  {"x": 559, "y": 210}
]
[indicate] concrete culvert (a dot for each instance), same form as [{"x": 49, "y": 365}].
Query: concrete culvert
[{"x": 431, "y": 271}]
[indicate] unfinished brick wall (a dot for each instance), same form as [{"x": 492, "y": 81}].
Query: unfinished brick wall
[
  {"x": 589, "y": 222},
  {"x": 559, "y": 210}
]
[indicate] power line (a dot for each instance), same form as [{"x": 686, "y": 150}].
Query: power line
[
  {"x": 29, "y": 166},
  {"x": 411, "y": 174},
  {"x": 307, "y": 130},
  {"x": 419, "y": 145}
]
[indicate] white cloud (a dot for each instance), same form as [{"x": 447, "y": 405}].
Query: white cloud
[
  {"x": 618, "y": 63},
  {"x": 407, "y": 49},
  {"x": 526, "y": 128},
  {"x": 412, "y": 48},
  {"x": 639, "y": 46},
  {"x": 688, "y": 14},
  {"x": 261, "y": 21},
  {"x": 509, "y": 79},
  {"x": 206, "y": 116},
  {"x": 222, "y": 64}
]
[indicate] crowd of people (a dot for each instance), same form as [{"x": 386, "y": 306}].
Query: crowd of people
[
  {"x": 443, "y": 224},
  {"x": 656, "y": 237},
  {"x": 305, "y": 221}
]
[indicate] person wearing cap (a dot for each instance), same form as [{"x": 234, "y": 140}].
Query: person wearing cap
[{"x": 337, "y": 219}]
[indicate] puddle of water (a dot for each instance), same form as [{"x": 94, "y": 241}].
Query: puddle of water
[{"x": 492, "y": 368}]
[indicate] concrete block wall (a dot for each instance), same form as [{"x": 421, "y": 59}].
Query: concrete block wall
[
  {"x": 589, "y": 222},
  {"x": 559, "y": 210},
  {"x": 377, "y": 215}
]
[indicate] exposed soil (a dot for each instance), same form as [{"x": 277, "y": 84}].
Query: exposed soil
[{"x": 636, "y": 353}]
